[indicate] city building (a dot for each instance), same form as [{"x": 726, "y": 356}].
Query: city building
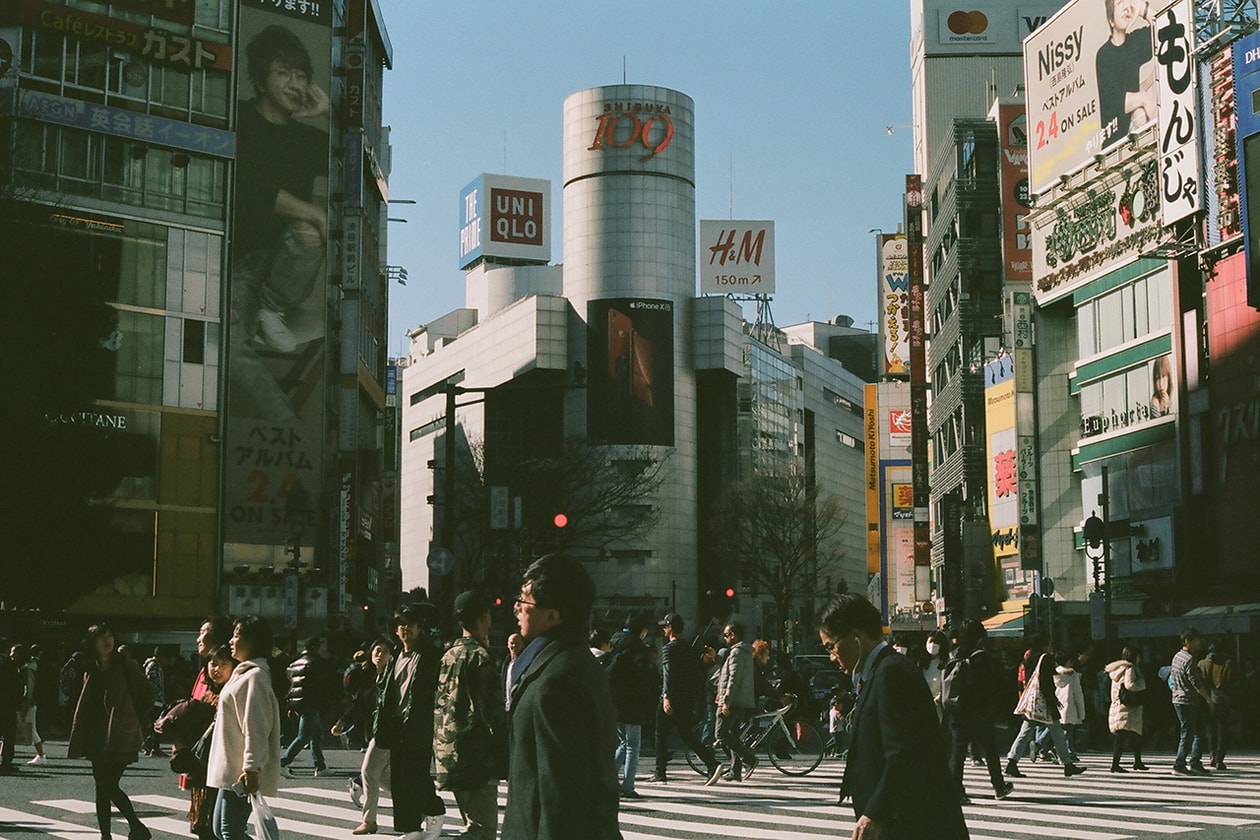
[
  {"x": 558, "y": 385},
  {"x": 149, "y": 144}
]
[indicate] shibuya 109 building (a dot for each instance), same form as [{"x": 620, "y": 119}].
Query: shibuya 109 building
[{"x": 599, "y": 407}]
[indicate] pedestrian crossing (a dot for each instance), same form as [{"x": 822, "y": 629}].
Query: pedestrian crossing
[{"x": 1095, "y": 806}]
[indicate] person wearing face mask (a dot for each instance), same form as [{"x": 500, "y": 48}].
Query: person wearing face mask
[{"x": 936, "y": 654}]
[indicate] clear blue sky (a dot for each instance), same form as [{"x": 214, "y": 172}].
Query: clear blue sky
[{"x": 792, "y": 104}]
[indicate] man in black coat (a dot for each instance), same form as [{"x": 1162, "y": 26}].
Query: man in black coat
[
  {"x": 313, "y": 687},
  {"x": 682, "y": 689},
  {"x": 561, "y": 780},
  {"x": 896, "y": 770},
  {"x": 404, "y": 725}
]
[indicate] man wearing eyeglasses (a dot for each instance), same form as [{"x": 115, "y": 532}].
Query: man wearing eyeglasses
[
  {"x": 736, "y": 701},
  {"x": 896, "y": 770},
  {"x": 561, "y": 780}
]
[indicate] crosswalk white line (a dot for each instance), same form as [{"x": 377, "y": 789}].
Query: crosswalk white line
[{"x": 31, "y": 823}]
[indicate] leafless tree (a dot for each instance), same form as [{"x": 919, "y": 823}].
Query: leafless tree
[{"x": 782, "y": 535}]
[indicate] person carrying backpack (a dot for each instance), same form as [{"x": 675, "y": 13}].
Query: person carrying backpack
[
  {"x": 971, "y": 697},
  {"x": 632, "y": 678}
]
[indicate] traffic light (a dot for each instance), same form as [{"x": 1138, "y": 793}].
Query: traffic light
[
  {"x": 560, "y": 520},
  {"x": 730, "y": 592}
]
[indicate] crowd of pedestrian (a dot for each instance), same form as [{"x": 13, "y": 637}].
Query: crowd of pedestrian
[{"x": 563, "y": 717}]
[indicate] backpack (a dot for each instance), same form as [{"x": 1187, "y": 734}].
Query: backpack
[{"x": 70, "y": 680}]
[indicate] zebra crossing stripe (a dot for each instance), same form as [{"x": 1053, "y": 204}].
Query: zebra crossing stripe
[
  {"x": 28, "y": 824},
  {"x": 761, "y": 818}
]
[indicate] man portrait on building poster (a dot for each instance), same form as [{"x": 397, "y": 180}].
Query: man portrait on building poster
[{"x": 1126, "y": 70}]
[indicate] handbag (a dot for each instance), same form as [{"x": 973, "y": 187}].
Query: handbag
[
  {"x": 264, "y": 821},
  {"x": 1131, "y": 698},
  {"x": 194, "y": 761},
  {"x": 1032, "y": 703}
]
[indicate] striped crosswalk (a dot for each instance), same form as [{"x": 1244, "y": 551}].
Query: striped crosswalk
[{"x": 1095, "y": 806}]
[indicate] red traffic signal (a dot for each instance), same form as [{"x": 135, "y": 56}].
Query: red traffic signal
[
  {"x": 498, "y": 602},
  {"x": 560, "y": 520},
  {"x": 730, "y": 592}
]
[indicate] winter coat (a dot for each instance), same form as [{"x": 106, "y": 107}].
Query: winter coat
[
  {"x": 735, "y": 679},
  {"x": 469, "y": 725},
  {"x": 311, "y": 684},
  {"x": 632, "y": 679},
  {"x": 1071, "y": 697},
  {"x": 1218, "y": 676},
  {"x": 107, "y": 719},
  {"x": 1119, "y": 716},
  {"x": 246, "y": 730}
]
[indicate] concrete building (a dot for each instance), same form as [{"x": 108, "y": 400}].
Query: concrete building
[
  {"x": 246, "y": 348},
  {"x": 612, "y": 355}
]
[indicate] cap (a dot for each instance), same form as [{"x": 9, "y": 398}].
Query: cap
[
  {"x": 471, "y": 603},
  {"x": 672, "y": 620}
]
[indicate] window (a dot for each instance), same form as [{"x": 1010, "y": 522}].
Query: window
[
  {"x": 140, "y": 339},
  {"x": 194, "y": 342}
]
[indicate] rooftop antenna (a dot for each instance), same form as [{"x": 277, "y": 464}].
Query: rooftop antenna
[{"x": 623, "y": 69}]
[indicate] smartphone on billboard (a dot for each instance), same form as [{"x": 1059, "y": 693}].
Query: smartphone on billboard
[
  {"x": 620, "y": 329},
  {"x": 641, "y": 368}
]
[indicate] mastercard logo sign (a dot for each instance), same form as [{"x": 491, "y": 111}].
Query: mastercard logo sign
[{"x": 967, "y": 23}]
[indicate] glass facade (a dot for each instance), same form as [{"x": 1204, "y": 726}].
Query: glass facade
[{"x": 771, "y": 411}]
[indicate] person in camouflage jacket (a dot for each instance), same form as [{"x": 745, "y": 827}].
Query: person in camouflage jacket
[{"x": 468, "y": 721}]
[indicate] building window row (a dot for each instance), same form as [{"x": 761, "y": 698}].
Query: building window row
[
  {"x": 69, "y": 160},
  {"x": 1121, "y": 315}
]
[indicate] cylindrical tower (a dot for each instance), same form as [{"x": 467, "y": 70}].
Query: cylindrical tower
[{"x": 630, "y": 273}]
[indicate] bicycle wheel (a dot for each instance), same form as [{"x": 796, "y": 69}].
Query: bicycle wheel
[
  {"x": 796, "y": 752},
  {"x": 693, "y": 759}
]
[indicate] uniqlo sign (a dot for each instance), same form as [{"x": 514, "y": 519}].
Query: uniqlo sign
[{"x": 516, "y": 216}]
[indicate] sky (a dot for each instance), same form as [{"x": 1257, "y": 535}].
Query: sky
[{"x": 794, "y": 101}]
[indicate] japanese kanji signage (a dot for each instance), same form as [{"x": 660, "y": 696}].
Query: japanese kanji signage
[
  {"x": 157, "y": 45},
  {"x": 1181, "y": 183},
  {"x": 119, "y": 122},
  {"x": 999, "y": 421}
]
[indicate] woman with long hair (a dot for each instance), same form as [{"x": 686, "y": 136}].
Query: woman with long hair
[{"x": 107, "y": 728}]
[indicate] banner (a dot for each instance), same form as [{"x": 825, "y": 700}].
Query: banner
[
  {"x": 1178, "y": 113},
  {"x": 630, "y": 355},
  {"x": 278, "y": 277},
  {"x": 894, "y": 304},
  {"x": 999, "y": 423}
]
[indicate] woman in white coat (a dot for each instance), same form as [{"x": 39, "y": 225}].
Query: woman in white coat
[
  {"x": 1125, "y": 719},
  {"x": 245, "y": 748}
]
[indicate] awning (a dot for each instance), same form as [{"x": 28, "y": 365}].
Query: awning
[
  {"x": 1210, "y": 621},
  {"x": 1007, "y": 623}
]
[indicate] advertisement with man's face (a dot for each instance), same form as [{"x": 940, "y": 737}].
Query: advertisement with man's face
[
  {"x": 630, "y": 389},
  {"x": 278, "y": 276},
  {"x": 1090, "y": 81}
]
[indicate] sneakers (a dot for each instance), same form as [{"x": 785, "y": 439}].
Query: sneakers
[
  {"x": 273, "y": 333},
  {"x": 39, "y": 759},
  {"x": 659, "y": 778},
  {"x": 286, "y": 771},
  {"x": 631, "y": 794},
  {"x": 749, "y": 767},
  {"x": 1116, "y": 768},
  {"x": 1070, "y": 770},
  {"x": 1137, "y": 765},
  {"x": 1182, "y": 771},
  {"x": 433, "y": 827},
  {"x": 1012, "y": 769},
  {"x": 1004, "y": 791},
  {"x": 714, "y": 776},
  {"x": 356, "y": 796},
  {"x": 320, "y": 770},
  {"x": 1200, "y": 770}
]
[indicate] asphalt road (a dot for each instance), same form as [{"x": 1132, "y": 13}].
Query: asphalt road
[{"x": 55, "y": 800}]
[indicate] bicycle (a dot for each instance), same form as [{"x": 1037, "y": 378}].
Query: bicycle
[{"x": 794, "y": 747}]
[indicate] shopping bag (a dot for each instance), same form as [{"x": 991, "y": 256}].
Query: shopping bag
[
  {"x": 1032, "y": 703},
  {"x": 264, "y": 821}
]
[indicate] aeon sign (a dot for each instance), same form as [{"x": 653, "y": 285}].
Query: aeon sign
[{"x": 626, "y": 125}]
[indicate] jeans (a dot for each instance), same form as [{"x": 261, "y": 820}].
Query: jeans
[
  {"x": 310, "y": 731},
  {"x": 626, "y": 759},
  {"x": 965, "y": 730},
  {"x": 728, "y": 735},
  {"x": 231, "y": 816},
  {"x": 682, "y": 720},
  {"x": 1192, "y": 735},
  {"x": 1218, "y": 724},
  {"x": 1026, "y": 733}
]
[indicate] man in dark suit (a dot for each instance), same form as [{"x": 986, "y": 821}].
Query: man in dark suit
[
  {"x": 561, "y": 780},
  {"x": 896, "y": 770}
]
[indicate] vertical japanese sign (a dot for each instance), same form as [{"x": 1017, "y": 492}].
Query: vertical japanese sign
[
  {"x": 894, "y": 305},
  {"x": 1013, "y": 176},
  {"x": 1180, "y": 180},
  {"x": 1247, "y": 143},
  {"x": 1025, "y": 429},
  {"x": 276, "y": 359},
  {"x": 871, "y": 434},
  {"x": 918, "y": 371},
  {"x": 1003, "y": 483}
]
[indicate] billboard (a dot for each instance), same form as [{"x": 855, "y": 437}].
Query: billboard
[
  {"x": 1013, "y": 175},
  {"x": 630, "y": 359},
  {"x": 1003, "y": 480},
  {"x": 505, "y": 217},
  {"x": 1089, "y": 80},
  {"x": 737, "y": 257},
  {"x": 1178, "y": 113},
  {"x": 948, "y": 27},
  {"x": 894, "y": 303},
  {"x": 278, "y": 277},
  {"x": 1246, "y": 84}
]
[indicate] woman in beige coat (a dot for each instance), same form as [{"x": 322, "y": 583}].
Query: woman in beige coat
[
  {"x": 106, "y": 729},
  {"x": 1125, "y": 719},
  {"x": 245, "y": 747}
]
